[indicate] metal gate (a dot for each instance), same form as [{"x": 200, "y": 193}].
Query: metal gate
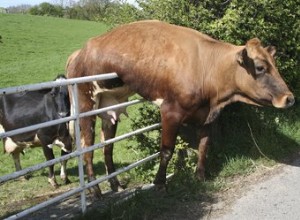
[{"x": 76, "y": 115}]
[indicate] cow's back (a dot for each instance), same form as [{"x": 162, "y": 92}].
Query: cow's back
[
  {"x": 148, "y": 53},
  {"x": 22, "y": 108}
]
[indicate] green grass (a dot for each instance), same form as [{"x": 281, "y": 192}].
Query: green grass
[{"x": 35, "y": 49}]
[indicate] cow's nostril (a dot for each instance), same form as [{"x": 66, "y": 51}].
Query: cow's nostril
[{"x": 290, "y": 100}]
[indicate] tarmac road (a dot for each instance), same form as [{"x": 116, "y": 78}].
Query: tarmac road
[{"x": 277, "y": 198}]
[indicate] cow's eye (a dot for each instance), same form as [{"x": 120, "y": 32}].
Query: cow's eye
[{"x": 260, "y": 70}]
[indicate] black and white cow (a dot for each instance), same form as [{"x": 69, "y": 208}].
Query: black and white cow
[{"x": 33, "y": 107}]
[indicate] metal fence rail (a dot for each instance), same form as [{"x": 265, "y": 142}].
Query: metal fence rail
[{"x": 79, "y": 150}]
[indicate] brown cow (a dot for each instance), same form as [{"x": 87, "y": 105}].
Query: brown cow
[{"x": 191, "y": 75}]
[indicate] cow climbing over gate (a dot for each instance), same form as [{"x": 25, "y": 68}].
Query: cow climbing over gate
[{"x": 191, "y": 75}]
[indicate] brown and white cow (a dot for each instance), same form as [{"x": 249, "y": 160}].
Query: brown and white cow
[
  {"x": 192, "y": 76},
  {"x": 104, "y": 97}
]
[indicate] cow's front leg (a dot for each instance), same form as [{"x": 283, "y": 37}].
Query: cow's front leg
[
  {"x": 202, "y": 151},
  {"x": 63, "y": 170},
  {"x": 48, "y": 152},
  {"x": 108, "y": 131},
  {"x": 67, "y": 141},
  {"x": 16, "y": 157},
  {"x": 171, "y": 120}
]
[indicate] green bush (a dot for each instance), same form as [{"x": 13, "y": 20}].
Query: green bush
[
  {"x": 47, "y": 9},
  {"x": 274, "y": 22}
]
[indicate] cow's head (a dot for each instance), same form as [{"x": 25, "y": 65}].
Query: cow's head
[
  {"x": 263, "y": 84},
  {"x": 61, "y": 99}
]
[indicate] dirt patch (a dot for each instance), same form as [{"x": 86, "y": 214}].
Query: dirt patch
[
  {"x": 239, "y": 186},
  {"x": 71, "y": 207},
  {"x": 220, "y": 203}
]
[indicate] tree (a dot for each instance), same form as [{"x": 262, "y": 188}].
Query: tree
[
  {"x": 47, "y": 9},
  {"x": 275, "y": 22}
]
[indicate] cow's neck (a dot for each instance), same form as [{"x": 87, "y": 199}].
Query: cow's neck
[{"x": 224, "y": 90}]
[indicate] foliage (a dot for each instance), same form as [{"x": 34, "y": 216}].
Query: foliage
[
  {"x": 87, "y": 10},
  {"x": 21, "y": 9},
  {"x": 275, "y": 23},
  {"x": 119, "y": 13},
  {"x": 47, "y": 9},
  {"x": 148, "y": 142}
]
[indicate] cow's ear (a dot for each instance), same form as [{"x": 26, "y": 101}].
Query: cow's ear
[
  {"x": 245, "y": 61},
  {"x": 252, "y": 46},
  {"x": 53, "y": 92},
  {"x": 240, "y": 57},
  {"x": 271, "y": 50}
]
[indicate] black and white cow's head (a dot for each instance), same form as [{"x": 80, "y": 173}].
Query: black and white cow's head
[{"x": 61, "y": 99}]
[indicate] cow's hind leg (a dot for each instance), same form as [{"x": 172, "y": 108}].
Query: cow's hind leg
[
  {"x": 171, "y": 119},
  {"x": 87, "y": 125},
  {"x": 108, "y": 131}
]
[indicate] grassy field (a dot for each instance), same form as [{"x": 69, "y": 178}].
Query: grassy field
[{"x": 35, "y": 49}]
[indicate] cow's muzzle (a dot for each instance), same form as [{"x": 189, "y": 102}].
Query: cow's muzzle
[
  {"x": 285, "y": 101},
  {"x": 290, "y": 100}
]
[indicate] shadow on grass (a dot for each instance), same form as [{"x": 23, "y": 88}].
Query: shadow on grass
[
  {"x": 240, "y": 132},
  {"x": 251, "y": 133}
]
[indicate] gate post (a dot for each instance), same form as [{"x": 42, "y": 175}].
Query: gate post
[{"x": 78, "y": 145}]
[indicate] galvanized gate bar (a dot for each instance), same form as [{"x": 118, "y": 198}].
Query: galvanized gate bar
[
  {"x": 124, "y": 136},
  {"x": 66, "y": 119},
  {"x": 35, "y": 127},
  {"x": 31, "y": 169},
  {"x": 46, "y": 85},
  {"x": 76, "y": 153},
  {"x": 121, "y": 170},
  {"x": 80, "y": 151},
  {"x": 113, "y": 107},
  {"x": 80, "y": 189}
]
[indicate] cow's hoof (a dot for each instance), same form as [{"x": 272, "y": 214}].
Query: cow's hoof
[
  {"x": 200, "y": 175},
  {"x": 160, "y": 188},
  {"x": 53, "y": 183},
  {"x": 24, "y": 178},
  {"x": 118, "y": 188},
  {"x": 115, "y": 185},
  {"x": 95, "y": 192},
  {"x": 65, "y": 180}
]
